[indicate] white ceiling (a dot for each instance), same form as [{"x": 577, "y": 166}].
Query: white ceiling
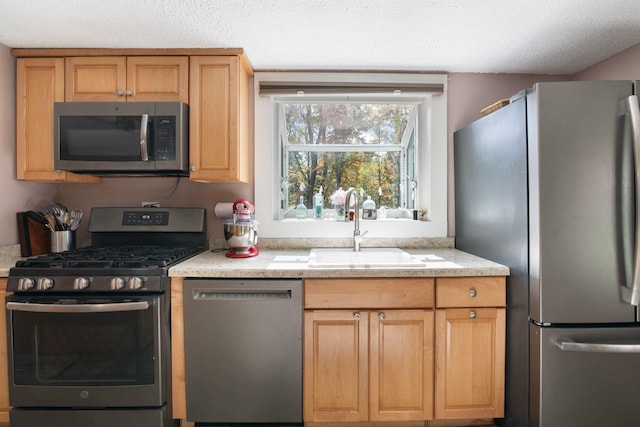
[{"x": 502, "y": 36}]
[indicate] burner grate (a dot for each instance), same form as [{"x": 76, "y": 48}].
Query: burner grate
[{"x": 111, "y": 257}]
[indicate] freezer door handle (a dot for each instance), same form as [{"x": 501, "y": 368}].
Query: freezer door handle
[
  {"x": 632, "y": 296},
  {"x": 567, "y": 344}
]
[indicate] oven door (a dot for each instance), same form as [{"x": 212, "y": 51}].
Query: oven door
[{"x": 87, "y": 351}]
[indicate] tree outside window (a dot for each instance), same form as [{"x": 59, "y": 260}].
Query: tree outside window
[{"x": 341, "y": 143}]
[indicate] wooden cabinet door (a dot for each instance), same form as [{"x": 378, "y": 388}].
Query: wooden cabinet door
[
  {"x": 95, "y": 78},
  {"x": 219, "y": 119},
  {"x": 4, "y": 383},
  {"x": 121, "y": 79},
  {"x": 335, "y": 366},
  {"x": 470, "y": 363},
  {"x": 158, "y": 78},
  {"x": 401, "y": 365},
  {"x": 39, "y": 83}
]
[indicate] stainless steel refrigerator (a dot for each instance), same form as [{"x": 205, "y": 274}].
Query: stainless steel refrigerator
[{"x": 548, "y": 186}]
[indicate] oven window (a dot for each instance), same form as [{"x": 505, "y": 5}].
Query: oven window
[{"x": 84, "y": 349}]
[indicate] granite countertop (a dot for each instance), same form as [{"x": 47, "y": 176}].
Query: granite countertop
[
  {"x": 8, "y": 257},
  {"x": 279, "y": 260},
  {"x": 292, "y": 263}
]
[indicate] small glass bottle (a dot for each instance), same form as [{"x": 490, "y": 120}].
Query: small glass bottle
[
  {"x": 301, "y": 210},
  {"x": 318, "y": 204}
]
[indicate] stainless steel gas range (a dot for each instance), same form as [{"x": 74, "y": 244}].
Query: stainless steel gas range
[{"x": 88, "y": 330}]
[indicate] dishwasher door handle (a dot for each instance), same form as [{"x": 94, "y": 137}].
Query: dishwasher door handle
[{"x": 241, "y": 294}]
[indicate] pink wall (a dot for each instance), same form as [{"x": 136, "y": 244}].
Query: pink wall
[
  {"x": 170, "y": 192},
  {"x": 621, "y": 66},
  {"x": 16, "y": 196},
  {"x": 468, "y": 94}
]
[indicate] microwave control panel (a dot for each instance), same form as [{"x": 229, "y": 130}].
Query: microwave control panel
[{"x": 165, "y": 138}]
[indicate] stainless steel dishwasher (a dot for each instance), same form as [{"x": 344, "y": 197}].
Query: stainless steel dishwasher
[{"x": 243, "y": 350}]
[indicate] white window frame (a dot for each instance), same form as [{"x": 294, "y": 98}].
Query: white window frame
[{"x": 432, "y": 172}]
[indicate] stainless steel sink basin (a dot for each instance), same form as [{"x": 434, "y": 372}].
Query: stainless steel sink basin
[{"x": 365, "y": 258}]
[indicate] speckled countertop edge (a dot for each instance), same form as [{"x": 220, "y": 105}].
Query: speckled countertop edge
[
  {"x": 288, "y": 258},
  {"x": 292, "y": 263},
  {"x": 8, "y": 257}
]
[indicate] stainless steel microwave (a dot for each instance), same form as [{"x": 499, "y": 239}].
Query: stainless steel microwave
[{"x": 122, "y": 138}]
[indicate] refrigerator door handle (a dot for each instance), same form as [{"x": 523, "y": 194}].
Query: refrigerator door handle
[
  {"x": 633, "y": 297},
  {"x": 567, "y": 344}
]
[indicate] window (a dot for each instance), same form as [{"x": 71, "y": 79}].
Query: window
[
  {"x": 383, "y": 134},
  {"x": 331, "y": 144}
]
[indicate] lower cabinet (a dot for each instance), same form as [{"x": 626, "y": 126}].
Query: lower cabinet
[
  {"x": 4, "y": 383},
  {"x": 470, "y": 347},
  {"x": 368, "y": 365},
  {"x": 364, "y": 364},
  {"x": 404, "y": 349}
]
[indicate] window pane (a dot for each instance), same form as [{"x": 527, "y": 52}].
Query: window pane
[
  {"x": 346, "y": 123},
  {"x": 328, "y": 144},
  {"x": 376, "y": 174}
]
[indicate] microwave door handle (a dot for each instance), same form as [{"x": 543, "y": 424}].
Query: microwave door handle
[
  {"x": 78, "y": 308},
  {"x": 144, "y": 152}
]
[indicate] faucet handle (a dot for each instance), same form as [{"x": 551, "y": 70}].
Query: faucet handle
[{"x": 357, "y": 240}]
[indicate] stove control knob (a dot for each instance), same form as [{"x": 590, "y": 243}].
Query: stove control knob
[
  {"x": 25, "y": 283},
  {"x": 44, "y": 283},
  {"x": 116, "y": 283},
  {"x": 135, "y": 282},
  {"x": 80, "y": 283}
]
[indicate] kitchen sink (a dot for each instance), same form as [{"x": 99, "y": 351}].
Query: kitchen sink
[{"x": 365, "y": 258}]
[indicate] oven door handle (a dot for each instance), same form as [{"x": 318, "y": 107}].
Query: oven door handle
[{"x": 78, "y": 308}]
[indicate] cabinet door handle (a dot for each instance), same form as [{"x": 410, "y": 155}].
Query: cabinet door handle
[
  {"x": 356, "y": 316},
  {"x": 473, "y": 293},
  {"x": 473, "y": 314},
  {"x": 120, "y": 92},
  {"x": 128, "y": 93},
  {"x": 381, "y": 316}
]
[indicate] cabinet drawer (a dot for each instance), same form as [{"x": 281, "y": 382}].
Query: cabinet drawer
[
  {"x": 369, "y": 293},
  {"x": 471, "y": 292}
]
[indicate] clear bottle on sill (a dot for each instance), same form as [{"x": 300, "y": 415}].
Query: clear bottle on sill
[
  {"x": 318, "y": 204},
  {"x": 301, "y": 210}
]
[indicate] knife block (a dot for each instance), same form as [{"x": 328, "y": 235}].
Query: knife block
[{"x": 35, "y": 238}]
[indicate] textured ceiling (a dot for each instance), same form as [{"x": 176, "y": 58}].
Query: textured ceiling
[{"x": 506, "y": 36}]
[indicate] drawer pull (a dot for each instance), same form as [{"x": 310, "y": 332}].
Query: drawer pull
[
  {"x": 356, "y": 316},
  {"x": 381, "y": 316},
  {"x": 473, "y": 314},
  {"x": 473, "y": 293}
]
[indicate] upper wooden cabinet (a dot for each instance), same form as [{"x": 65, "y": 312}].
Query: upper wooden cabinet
[
  {"x": 39, "y": 83},
  {"x": 214, "y": 82},
  {"x": 219, "y": 119},
  {"x": 132, "y": 78}
]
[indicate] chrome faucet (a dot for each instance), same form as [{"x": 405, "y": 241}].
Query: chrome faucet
[{"x": 357, "y": 237}]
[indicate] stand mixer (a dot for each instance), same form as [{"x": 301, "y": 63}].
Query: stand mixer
[{"x": 241, "y": 232}]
